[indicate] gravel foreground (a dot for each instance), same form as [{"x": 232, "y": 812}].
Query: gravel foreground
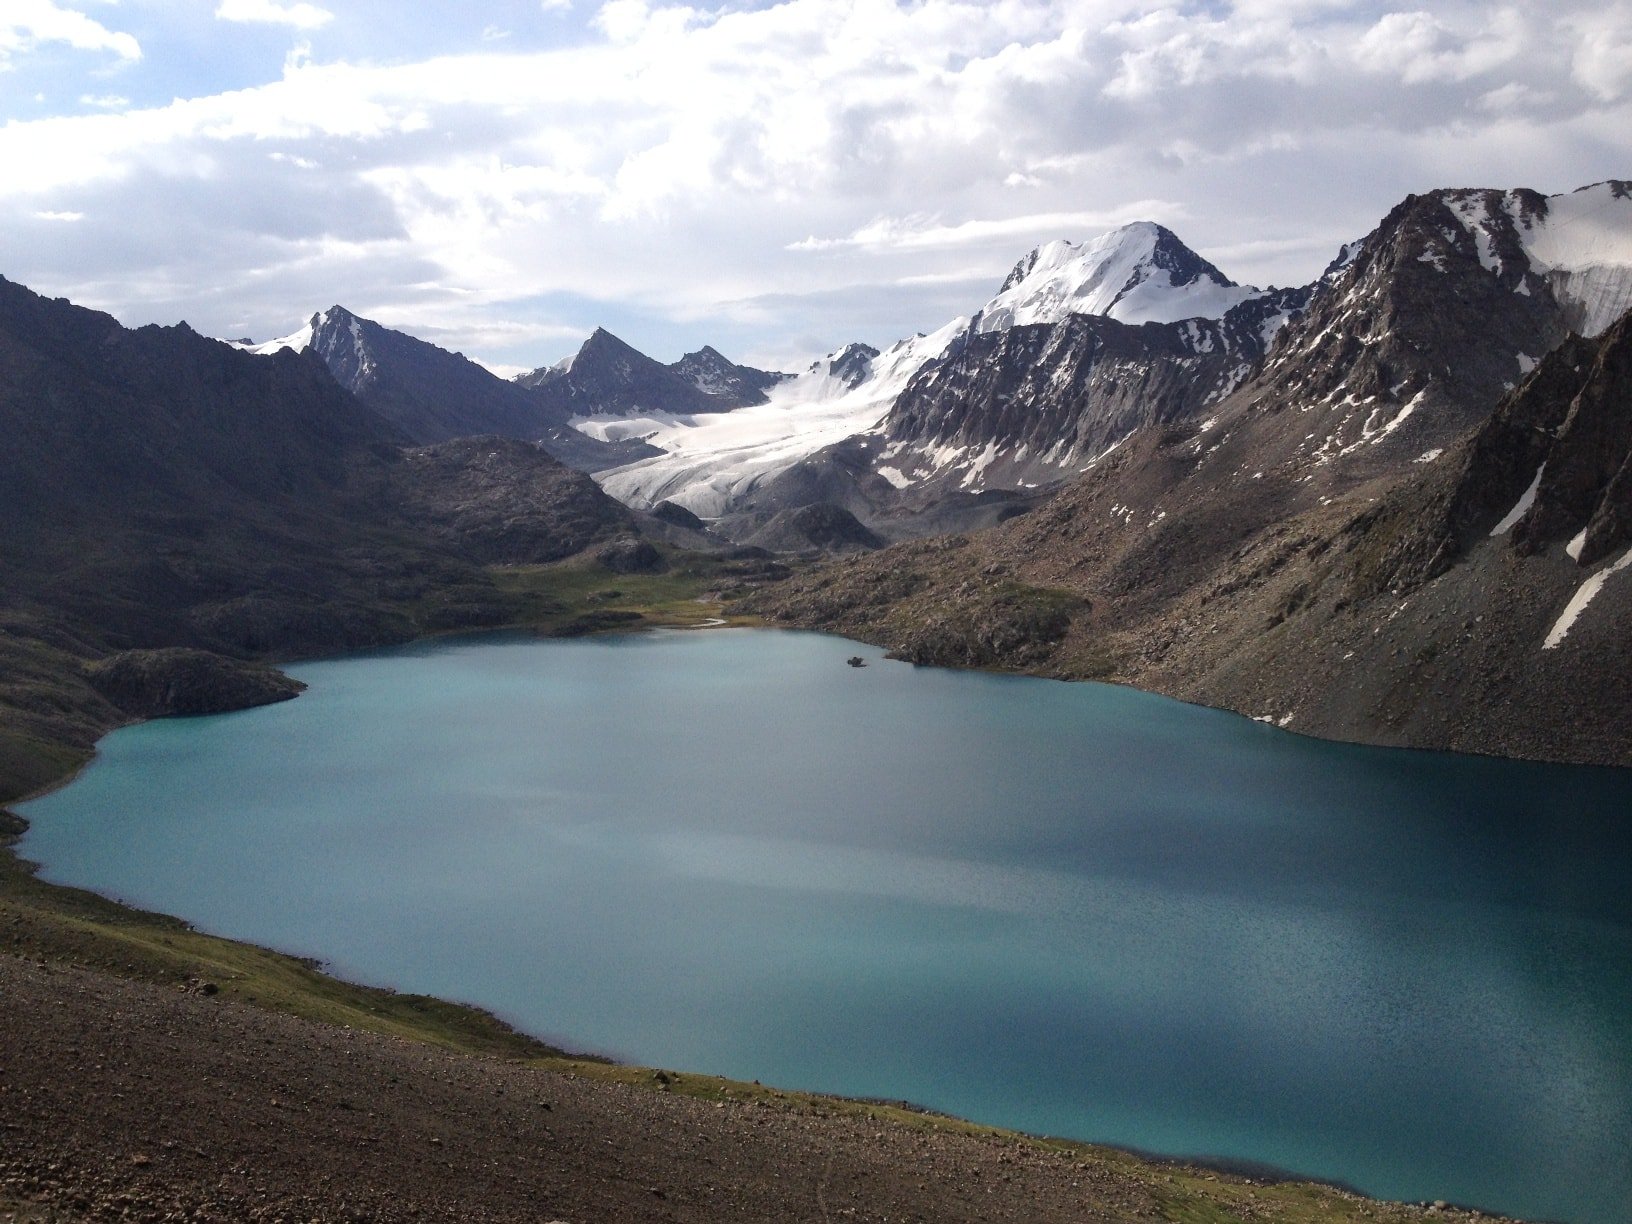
[{"x": 121, "y": 1100}]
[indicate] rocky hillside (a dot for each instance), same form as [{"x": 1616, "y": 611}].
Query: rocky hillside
[
  {"x": 498, "y": 501},
  {"x": 1464, "y": 604},
  {"x": 1029, "y": 402},
  {"x": 723, "y": 380}
]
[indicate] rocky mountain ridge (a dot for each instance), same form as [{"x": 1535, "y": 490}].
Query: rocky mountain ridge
[
  {"x": 1405, "y": 341},
  {"x": 433, "y": 395},
  {"x": 1141, "y": 274},
  {"x": 608, "y": 377},
  {"x": 1403, "y": 344}
]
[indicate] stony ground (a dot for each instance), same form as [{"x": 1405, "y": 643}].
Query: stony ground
[{"x": 124, "y": 1100}]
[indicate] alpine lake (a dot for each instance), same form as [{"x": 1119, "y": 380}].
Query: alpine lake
[{"x": 1069, "y": 909}]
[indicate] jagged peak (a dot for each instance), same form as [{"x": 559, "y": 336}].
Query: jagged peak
[
  {"x": 600, "y": 338},
  {"x": 336, "y": 315},
  {"x": 1137, "y": 273}
]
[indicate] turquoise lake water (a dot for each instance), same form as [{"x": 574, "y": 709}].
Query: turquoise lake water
[{"x": 1072, "y": 909}]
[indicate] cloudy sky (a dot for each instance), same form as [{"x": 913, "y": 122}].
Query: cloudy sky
[{"x": 774, "y": 178}]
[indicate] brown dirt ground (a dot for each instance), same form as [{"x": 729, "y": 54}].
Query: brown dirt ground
[{"x": 124, "y": 1100}]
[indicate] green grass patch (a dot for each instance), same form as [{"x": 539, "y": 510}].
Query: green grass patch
[
  {"x": 72, "y": 926},
  {"x": 579, "y": 595},
  {"x": 28, "y": 764}
]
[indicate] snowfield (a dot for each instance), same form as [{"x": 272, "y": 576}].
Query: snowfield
[
  {"x": 713, "y": 460},
  {"x": 1582, "y": 247}
]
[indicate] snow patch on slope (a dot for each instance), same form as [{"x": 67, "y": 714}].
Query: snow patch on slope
[
  {"x": 1583, "y": 596},
  {"x": 1521, "y": 508},
  {"x": 299, "y": 340}
]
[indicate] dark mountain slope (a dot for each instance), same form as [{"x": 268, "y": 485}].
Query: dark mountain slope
[
  {"x": 1406, "y": 348},
  {"x": 430, "y": 394},
  {"x": 498, "y": 501},
  {"x": 730, "y": 384},
  {"x": 607, "y": 377},
  {"x": 100, "y": 420},
  {"x": 159, "y": 489},
  {"x": 1070, "y": 391}
]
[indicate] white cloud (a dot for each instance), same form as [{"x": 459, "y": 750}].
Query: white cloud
[
  {"x": 1514, "y": 96},
  {"x": 1603, "y": 56},
  {"x": 59, "y": 216},
  {"x": 268, "y": 12},
  {"x": 800, "y": 169},
  {"x": 25, "y": 24},
  {"x": 910, "y": 233},
  {"x": 1418, "y": 47}
]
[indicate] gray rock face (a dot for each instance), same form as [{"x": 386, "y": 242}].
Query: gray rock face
[
  {"x": 1047, "y": 398},
  {"x": 1550, "y": 471},
  {"x": 733, "y": 385},
  {"x": 433, "y": 395},
  {"x": 504, "y": 502},
  {"x": 678, "y": 516},
  {"x": 630, "y": 555},
  {"x": 823, "y": 526},
  {"x": 1408, "y": 346}
]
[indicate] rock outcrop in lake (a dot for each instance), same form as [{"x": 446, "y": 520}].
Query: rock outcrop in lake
[{"x": 164, "y": 683}]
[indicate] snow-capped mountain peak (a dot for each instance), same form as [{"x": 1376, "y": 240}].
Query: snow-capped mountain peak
[{"x": 1139, "y": 273}]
